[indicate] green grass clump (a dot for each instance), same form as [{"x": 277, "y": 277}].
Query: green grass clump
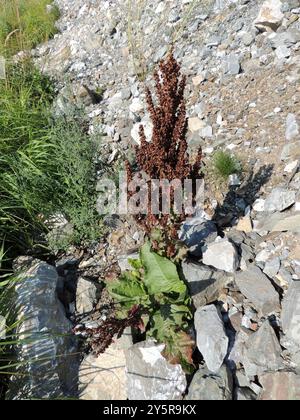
[
  {"x": 225, "y": 164},
  {"x": 25, "y": 23},
  {"x": 46, "y": 166}
]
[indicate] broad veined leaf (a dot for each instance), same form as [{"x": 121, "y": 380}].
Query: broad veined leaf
[
  {"x": 128, "y": 290},
  {"x": 161, "y": 274}
]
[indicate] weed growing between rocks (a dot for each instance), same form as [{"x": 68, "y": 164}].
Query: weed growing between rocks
[
  {"x": 165, "y": 157},
  {"x": 152, "y": 296},
  {"x": 225, "y": 164}
]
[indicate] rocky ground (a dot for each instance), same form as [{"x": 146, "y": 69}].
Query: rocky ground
[{"x": 242, "y": 59}]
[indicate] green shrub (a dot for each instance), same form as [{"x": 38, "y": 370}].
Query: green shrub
[
  {"x": 25, "y": 23},
  {"x": 225, "y": 164}
]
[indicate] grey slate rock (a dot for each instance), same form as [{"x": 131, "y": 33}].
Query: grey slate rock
[
  {"x": 207, "y": 386},
  {"x": 197, "y": 231},
  {"x": 272, "y": 267},
  {"x": 263, "y": 351},
  {"x": 87, "y": 295},
  {"x": 232, "y": 65},
  {"x": 280, "y": 199},
  {"x": 205, "y": 284},
  {"x": 257, "y": 288},
  {"x": 212, "y": 340},
  {"x": 290, "y": 316}
]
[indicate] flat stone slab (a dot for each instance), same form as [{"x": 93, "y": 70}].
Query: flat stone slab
[
  {"x": 280, "y": 386},
  {"x": 280, "y": 222},
  {"x": 205, "y": 285},
  {"x": 279, "y": 199},
  {"x": 150, "y": 376},
  {"x": 103, "y": 377},
  {"x": 207, "y": 386},
  {"x": 256, "y": 287},
  {"x": 263, "y": 351},
  {"x": 221, "y": 254},
  {"x": 212, "y": 340},
  {"x": 290, "y": 315}
]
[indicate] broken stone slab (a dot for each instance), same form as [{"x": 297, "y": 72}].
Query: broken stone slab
[
  {"x": 87, "y": 295},
  {"x": 207, "y": 386},
  {"x": 150, "y": 376},
  {"x": 292, "y": 126},
  {"x": 195, "y": 124},
  {"x": 272, "y": 267},
  {"x": 279, "y": 200},
  {"x": 232, "y": 65},
  {"x": 279, "y": 222},
  {"x": 270, "y": 16},
  {"x": 103, "y": 377},
  {"x": 290, "y": 224},
  {"x": 257, "y": 288},
  {"x": 205, "y": 285},
  {"x": 280, "y": 386},
  {"x": 212, "y": 340},
  {"x": 123, "y": 261},
  {"x": 290, "y": 316},
  {"x": 221, "y": 254},
  {"x": 197, "y": 231},
  {"x": 287, "y": 38},
  {"x": 47, "y": 335},
  {"x": 238, "y": 349},
  {"x": 263, "y": 352}
]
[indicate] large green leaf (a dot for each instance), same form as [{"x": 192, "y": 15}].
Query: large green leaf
[
  {"x": 128, "y": 290},
  {"x": 161, "y": 274}
]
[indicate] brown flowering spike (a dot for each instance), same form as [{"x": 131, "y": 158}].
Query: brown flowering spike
[{"x": 165, "y": 156}]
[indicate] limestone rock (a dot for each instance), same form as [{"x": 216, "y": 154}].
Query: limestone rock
[
  {"x": 292, "y": 127},
  {"x": 291, "y": 315},
  {"x": 279, "y": 199},
  {"x": 256, "y": 287},
  {"x": 262, "y": 351},
  {"x": 270, "y": 15},
  {"x": 103, "y": 377},
  {"x": 207, "y": 386},
  {"x": 87, "y": 294},
  {"x": 150, "y": 376},
  {"x": 205, "y": 285},
  {"x": 197, "y": 231},
  {"x": 212, "y": 340},
  {"x": 222, "y": 255}
]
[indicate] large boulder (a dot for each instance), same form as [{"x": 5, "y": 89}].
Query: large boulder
[{"x": 48, "y": 355}]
